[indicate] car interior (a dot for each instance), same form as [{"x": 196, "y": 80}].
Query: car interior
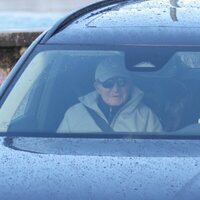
[{"x": 172, "y": 93}]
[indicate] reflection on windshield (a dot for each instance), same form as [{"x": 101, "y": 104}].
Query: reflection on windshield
[{"x": 88, "y": 91}]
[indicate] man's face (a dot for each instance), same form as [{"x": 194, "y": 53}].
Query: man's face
[{"x": 114, "y": 91}]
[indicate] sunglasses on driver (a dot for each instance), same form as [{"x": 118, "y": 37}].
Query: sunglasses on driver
[{"x": 121, "y": 82}]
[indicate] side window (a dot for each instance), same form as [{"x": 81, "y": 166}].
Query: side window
[
  {"x": 20, "y": 112},
  {"x": 17, "y": 101}
]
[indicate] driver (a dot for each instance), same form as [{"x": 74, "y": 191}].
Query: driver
[{"x": 115, "y": 105}]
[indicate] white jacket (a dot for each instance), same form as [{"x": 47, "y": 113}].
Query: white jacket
[{"x": 132, "y": 117}]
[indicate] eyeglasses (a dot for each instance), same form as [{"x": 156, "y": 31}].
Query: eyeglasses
[{"x": 121, "y": 82}]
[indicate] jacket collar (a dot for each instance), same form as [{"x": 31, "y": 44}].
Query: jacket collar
[{"x": 90, "y": 100}]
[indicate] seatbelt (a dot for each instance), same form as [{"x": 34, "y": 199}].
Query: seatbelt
[{"x": 101, "y": 123}]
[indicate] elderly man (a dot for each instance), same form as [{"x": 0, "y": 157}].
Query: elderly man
[{"x": 115, "y": 105}]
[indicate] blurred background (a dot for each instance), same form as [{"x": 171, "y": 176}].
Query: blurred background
[
  {"x": 21, "y": 21},
  {"x": 23, "y": 14},
  {"x": 43, "y": 5}
]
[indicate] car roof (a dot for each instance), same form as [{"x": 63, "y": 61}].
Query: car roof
[{"x": 131, "y": 22}]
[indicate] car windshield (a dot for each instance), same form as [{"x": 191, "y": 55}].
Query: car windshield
[{"x": 135, "y": 90}]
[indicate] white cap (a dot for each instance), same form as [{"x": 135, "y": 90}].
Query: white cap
[{"x": 111, "y": 67}]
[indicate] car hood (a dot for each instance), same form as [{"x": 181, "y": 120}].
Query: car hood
[{"x": 64, "y": 168}]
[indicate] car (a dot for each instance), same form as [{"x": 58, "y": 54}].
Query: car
[{"x": 158, "y": 43}]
